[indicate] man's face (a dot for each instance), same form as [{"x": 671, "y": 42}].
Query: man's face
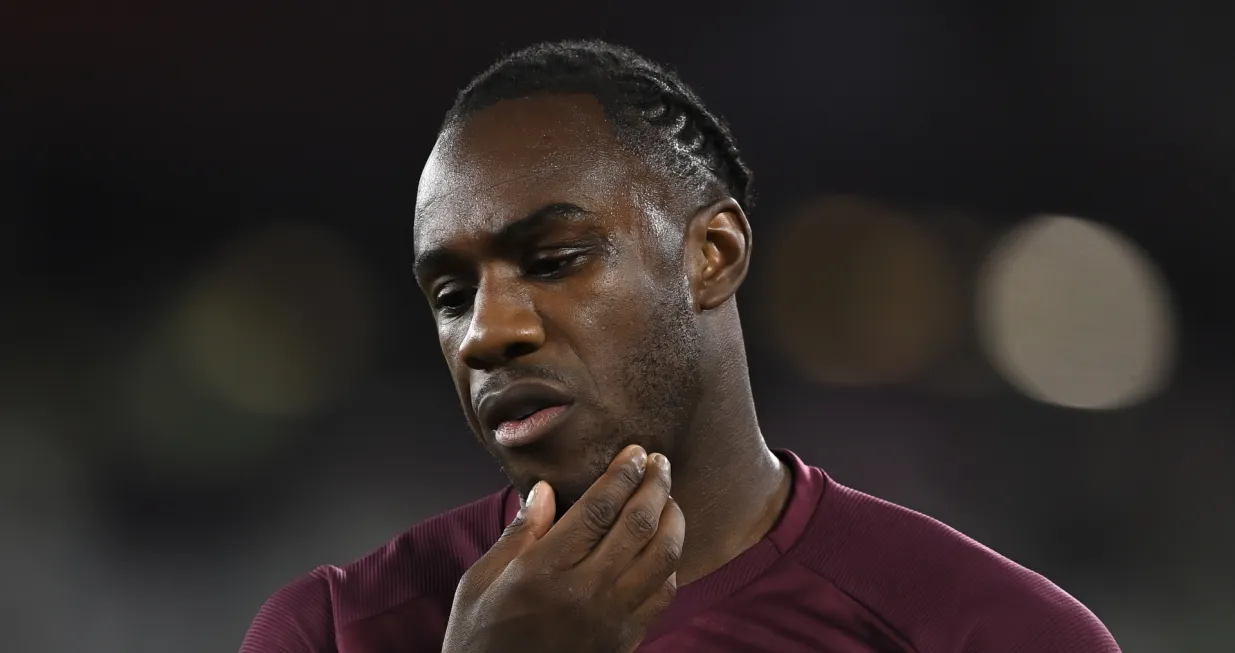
[{"x": 559, "y": 290}]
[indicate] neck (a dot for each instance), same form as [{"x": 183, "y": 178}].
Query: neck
[{"x": 730, "y": 486}]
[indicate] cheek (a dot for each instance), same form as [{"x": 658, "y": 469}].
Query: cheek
[
  {"x": 608, "y": 317},
  {"x": 450, "y": 337}
]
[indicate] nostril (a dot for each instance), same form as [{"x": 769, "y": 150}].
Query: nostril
[{"x": 517, "y": 349}]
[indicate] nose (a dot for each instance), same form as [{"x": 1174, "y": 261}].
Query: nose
[{"x": 505, "y": 326}]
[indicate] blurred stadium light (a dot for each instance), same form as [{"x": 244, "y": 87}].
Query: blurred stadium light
[
  {"x": 860, "y": 294},
  {"x": 274, "y": 329},
  {"x": 1073, "y": 313},
  {"x": 281, "y": 322}
]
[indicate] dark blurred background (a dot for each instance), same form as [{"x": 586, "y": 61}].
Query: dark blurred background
[{"x": 992, "y": 252}]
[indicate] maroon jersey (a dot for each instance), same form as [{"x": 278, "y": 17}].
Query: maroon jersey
[{"x": 841, "y": 572}]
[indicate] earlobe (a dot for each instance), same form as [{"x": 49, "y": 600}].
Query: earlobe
[{"x": 720, "y": 238}]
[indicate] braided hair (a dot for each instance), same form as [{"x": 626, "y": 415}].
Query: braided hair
[{"x": 649, "y": 106}]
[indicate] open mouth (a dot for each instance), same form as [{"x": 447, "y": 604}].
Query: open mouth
[
  {"x": 523, "y": 412},
  {"x": 529, "y": 427},
  {"x": 526, "y": 414}
]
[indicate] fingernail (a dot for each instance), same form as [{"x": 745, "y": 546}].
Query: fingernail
[
  {"x": 531, "y": 495},
  {"x": 640, "y": 459},
  {"x": 661, "y": 461}
]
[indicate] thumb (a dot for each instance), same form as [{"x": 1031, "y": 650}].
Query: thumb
[{"x": 535, "y": 519}]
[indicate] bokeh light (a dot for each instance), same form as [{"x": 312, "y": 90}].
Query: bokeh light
[
  {"x": 181, "y": 433},
  {"x": 281, "y": 322},
  {"x": 1073, "y": 313},
  {"x": 273, "y": 330},
  {"x": 860, "y": 294}
]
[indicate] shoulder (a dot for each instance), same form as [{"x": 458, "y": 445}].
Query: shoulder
[
  {"x": 1037, "y": 617},
  {"x": 938, "y": 587},
  {"x": 296, "y": 618},
  {"x": 427, "y": 560}
]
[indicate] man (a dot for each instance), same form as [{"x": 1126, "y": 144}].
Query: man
[{"x": 580, "y": 234}]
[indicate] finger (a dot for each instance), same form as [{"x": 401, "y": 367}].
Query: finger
[
  {"x": 646, "y": 575},
  {"x": 637, "y": 523},
  {"x": 529, "y": 525},
  {"x": 586, "y": 522},
  {"x": 632, "y": 633},
  {"x": 656, "y": 603}
]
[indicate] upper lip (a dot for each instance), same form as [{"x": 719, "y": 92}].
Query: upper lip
[{"x": 518, "y": 400}]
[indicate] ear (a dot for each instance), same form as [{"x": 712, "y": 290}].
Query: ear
[{"x": 717, "y": 252}]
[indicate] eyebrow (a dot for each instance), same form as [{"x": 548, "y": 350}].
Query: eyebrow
[{"x": 522, "y": 229}]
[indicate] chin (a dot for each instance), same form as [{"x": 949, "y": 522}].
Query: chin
[
  {"x": 568, "y": 491},
  {"x": 570, "y": 470},
  {"x": 569, "y": 480},
  {"x": 568, "y": 483}
]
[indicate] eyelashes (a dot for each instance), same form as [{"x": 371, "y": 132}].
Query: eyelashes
[{"x": 454, "y": 298}]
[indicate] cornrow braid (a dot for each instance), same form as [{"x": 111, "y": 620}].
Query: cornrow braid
[{"x": 649, "y": 105}]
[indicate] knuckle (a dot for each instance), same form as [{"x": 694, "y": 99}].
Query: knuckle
[
  {"x": 669, "y": 552},
  {"x": 599, "y": 512},
  {"x": 642, "y": 522}
]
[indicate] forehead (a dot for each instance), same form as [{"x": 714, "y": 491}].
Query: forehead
[{"x": 518, "y": 156}]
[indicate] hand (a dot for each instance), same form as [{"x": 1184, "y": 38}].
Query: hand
[{"x": 592, "y": 583}]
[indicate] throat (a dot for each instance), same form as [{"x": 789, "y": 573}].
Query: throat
[{"x": 723, "y": 525}]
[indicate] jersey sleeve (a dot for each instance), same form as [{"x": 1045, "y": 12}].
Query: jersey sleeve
[
  {"x": 296, "y": 619},
  {"x": 1044, "y": 622}
]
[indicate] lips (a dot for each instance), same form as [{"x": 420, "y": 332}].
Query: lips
[{"x": 523, "y": 411}]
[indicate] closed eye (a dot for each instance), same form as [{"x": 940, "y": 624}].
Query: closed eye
[{"x": 556, "y": 266}]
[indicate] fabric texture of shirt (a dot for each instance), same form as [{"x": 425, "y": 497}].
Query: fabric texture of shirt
[{"x": 840, "y": 572}]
